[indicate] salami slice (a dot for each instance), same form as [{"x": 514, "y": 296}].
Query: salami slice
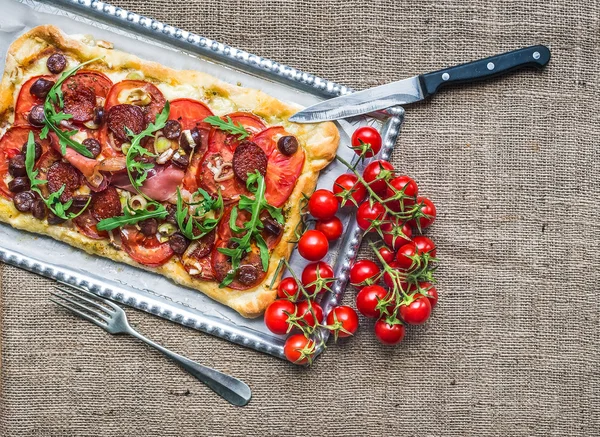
[
  {"x": 250, "y": 272},
  {"x": 105, "y": 204},
  {"x": 247, "y": 159},
  {"x": 137, "y": 92},
  {"x": 61, "y": 173},
  {"x": 196, "y": 260},
  {"x": 86, "y": 223},
  {"x": 81, "y": 93},
  {"x": 125, "y": 116}
]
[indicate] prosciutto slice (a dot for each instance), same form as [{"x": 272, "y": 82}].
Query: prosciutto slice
[{"x": 161, "y": 183}]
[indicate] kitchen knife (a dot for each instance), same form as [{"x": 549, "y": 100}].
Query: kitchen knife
[{"x": 422, "y": 86}]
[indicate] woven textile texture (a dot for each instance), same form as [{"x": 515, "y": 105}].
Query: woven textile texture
[{"x": 513, "y": 166}]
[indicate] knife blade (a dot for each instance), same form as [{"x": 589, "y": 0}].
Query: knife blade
[{"x": 421, "y": 86}]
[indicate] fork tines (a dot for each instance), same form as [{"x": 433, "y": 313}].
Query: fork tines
[{"x": 88, "y": 307}]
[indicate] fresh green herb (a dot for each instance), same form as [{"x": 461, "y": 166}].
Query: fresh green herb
[
  {"x": 131, "y": 217},
  {"x": 53, "y": 201},
  {"x": 188, "y": 222},
  {"x": 53, "y": 118},
  {"x": 252, "y": 228},
  {"x": 228, "y": 126},
  {"x": 138, "y": 170}
]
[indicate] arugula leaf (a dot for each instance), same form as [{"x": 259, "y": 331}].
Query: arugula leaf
[
  {"x": 228, "y": 126},
  {"x": 187, "y": 222},
  {"x": 132, "y": 217}
]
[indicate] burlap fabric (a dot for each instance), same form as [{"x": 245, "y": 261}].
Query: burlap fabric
[{"x": 513, "y": 166}]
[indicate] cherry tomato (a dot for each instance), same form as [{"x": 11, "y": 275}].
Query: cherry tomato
[
  {"x": 367, "y": 213},
  {"x": 312, "y": 272},
  {"x": 296, "y": 348},
  {"x": 362, "y": 271},
  {"x": 313, "y": 245},
  {"x": 417, "y": 312},
  {"x": 431, "y": 291},
  {"x": 394, "y": 234},
  {"x": 348, "y": 182},
  {"x": 425, "y": 245},
  {"x": 323, "y": 204},
  {"x": 276, "y": 318},
  {"x": 387, "y": 279},
  {"x": 404, "y": 256},
  {"x": 387, "y": 254},
  {"x": 407, "y": 186},
  {"x": 332, "y": 228},
  {"x": 348, "y": 318},
  {"x": 308, "y": 318},
  {"x": 373, "y": 170},
  {"x": 368, "y": 298},
  {"x": 389, "y": 334},
  {"x": 366, "y": 135},
  {"x": 428, "y": 209},
  {"x": 288, "y": 289}
]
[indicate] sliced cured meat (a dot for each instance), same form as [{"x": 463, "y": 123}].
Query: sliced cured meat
[
  {"x": 196, "y": 260},
  {"x": 62, "y": 174},
  {"x": 145, "y": 250},
  {"x": 199, "y": 268},
  {"x": 86, "y": 223},
  {"x": 250, "y": 272},
  {"x": 161, "y": 183},
  {"x": 105, "y": 204},
  {"x": 248, "y": 158},
  {"x": 189, "y": 113},
  {"x": 83, "y": 92},
  {"x": 138, "y": 93},
  {"x": 125, "y": 116},
  {"x": 27, "y": 100},
  {"x": 282, "y": 170}
]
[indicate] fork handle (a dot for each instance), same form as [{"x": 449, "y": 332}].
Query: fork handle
[{"x": 229, "y": 388}]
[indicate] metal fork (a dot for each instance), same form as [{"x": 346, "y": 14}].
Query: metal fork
[{"x": 113, "y": 319}]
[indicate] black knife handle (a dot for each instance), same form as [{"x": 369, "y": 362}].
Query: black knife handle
[{"x": 534, "y": 56}]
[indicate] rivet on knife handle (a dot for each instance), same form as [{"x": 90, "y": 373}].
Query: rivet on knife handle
[{"x": 534, "y": 56}]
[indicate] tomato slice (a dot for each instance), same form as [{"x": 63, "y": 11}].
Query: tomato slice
[
  {"x": 222, "y": 265},
  {"x": 10, "y": 145},
  {"x": 78, "y": 87},
  {"x": 145, "y": 250},
  {"x": 86, "y": 223},
  {"x": 157, "y": 100},
  {"x": 26, "y": 101},
  {"x": 224, "y": 231},
  {"x": 282, "y": 171},
  {"x": 219, "y": 139},
  {"x": 188, "y": 112}
]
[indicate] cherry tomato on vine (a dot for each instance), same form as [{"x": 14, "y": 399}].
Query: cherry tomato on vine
[
  {"x": 425, "y": 245},
  {"x": 288, "y": 289},
  {"x": 314, "y": 271},
  {"x": 323, "y": 204},
  {"x": 349, "y": 182},
  {"x": 313, "y": 245},
  {"x": 347, "y": 317},
  {"x": 389, "y": 334},
  {"x": 364, "y": 136},
  {"x": 429, "y": 210},
  {"x": 394, "y": 234},
  {"x": 407, "y": 186},
  {"x": 373, "y": 170},
  {"x": 308, "y": 318},
  {"x": 367, "y": 213},
  {"x": 362, "y": 270},
  {"x": 431, "y": 291},
  {"x": 276, "y": 318},
  {"x": 387, "y": 254},
  {"x": 404, "y": 256},
  {"x": 296, "y": 348},
  {"x": 387, "y": 279},
  {"x": 417, "y": 312},
  {"x": 332, "y": 228},
  {"x": 368, "y": 298}
]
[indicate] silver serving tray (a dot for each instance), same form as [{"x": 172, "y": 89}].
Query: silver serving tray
[{"x": 153, "y": 40}]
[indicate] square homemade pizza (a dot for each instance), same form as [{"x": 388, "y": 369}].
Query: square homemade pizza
[{"x": 176, "y": 172}]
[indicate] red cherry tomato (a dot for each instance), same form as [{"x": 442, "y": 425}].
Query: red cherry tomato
[
  {"x": 431, "y": 291},
  {"x": 373, "y": 170},
  {"x": 313, "y": 245},
  {"x": 296, "y": 348},
  {"x": 276, "y": 318},
  {"x": 417, "y": 312},
  {"x": 389, "y": 334},
  {"x": 362, "y": 271},
  {"x": 387, "y": 254},
  {"x": 332, "y": 228},
  {"x": 404, "y": 256},
  {"x": 347, "y": 317},
  {"x": 323, "y": 204},
  {"x": 368, "y": 298},
  {"x": 308, "y": 318},
  {"x": 312, "y": 272},
  {"x": 367, "y": 213},
  {"x": 395, "y": 234},
  {"x": 288, "y": 289},
  {"x": 429, "y": 210},
  {"x": 366, "y": 136},
  {"x": 407, "y": 186},
  {"x": 425, "y": 245},
  {"x": 348, "y": 182},
  {"x": 387, "y": 279}
]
